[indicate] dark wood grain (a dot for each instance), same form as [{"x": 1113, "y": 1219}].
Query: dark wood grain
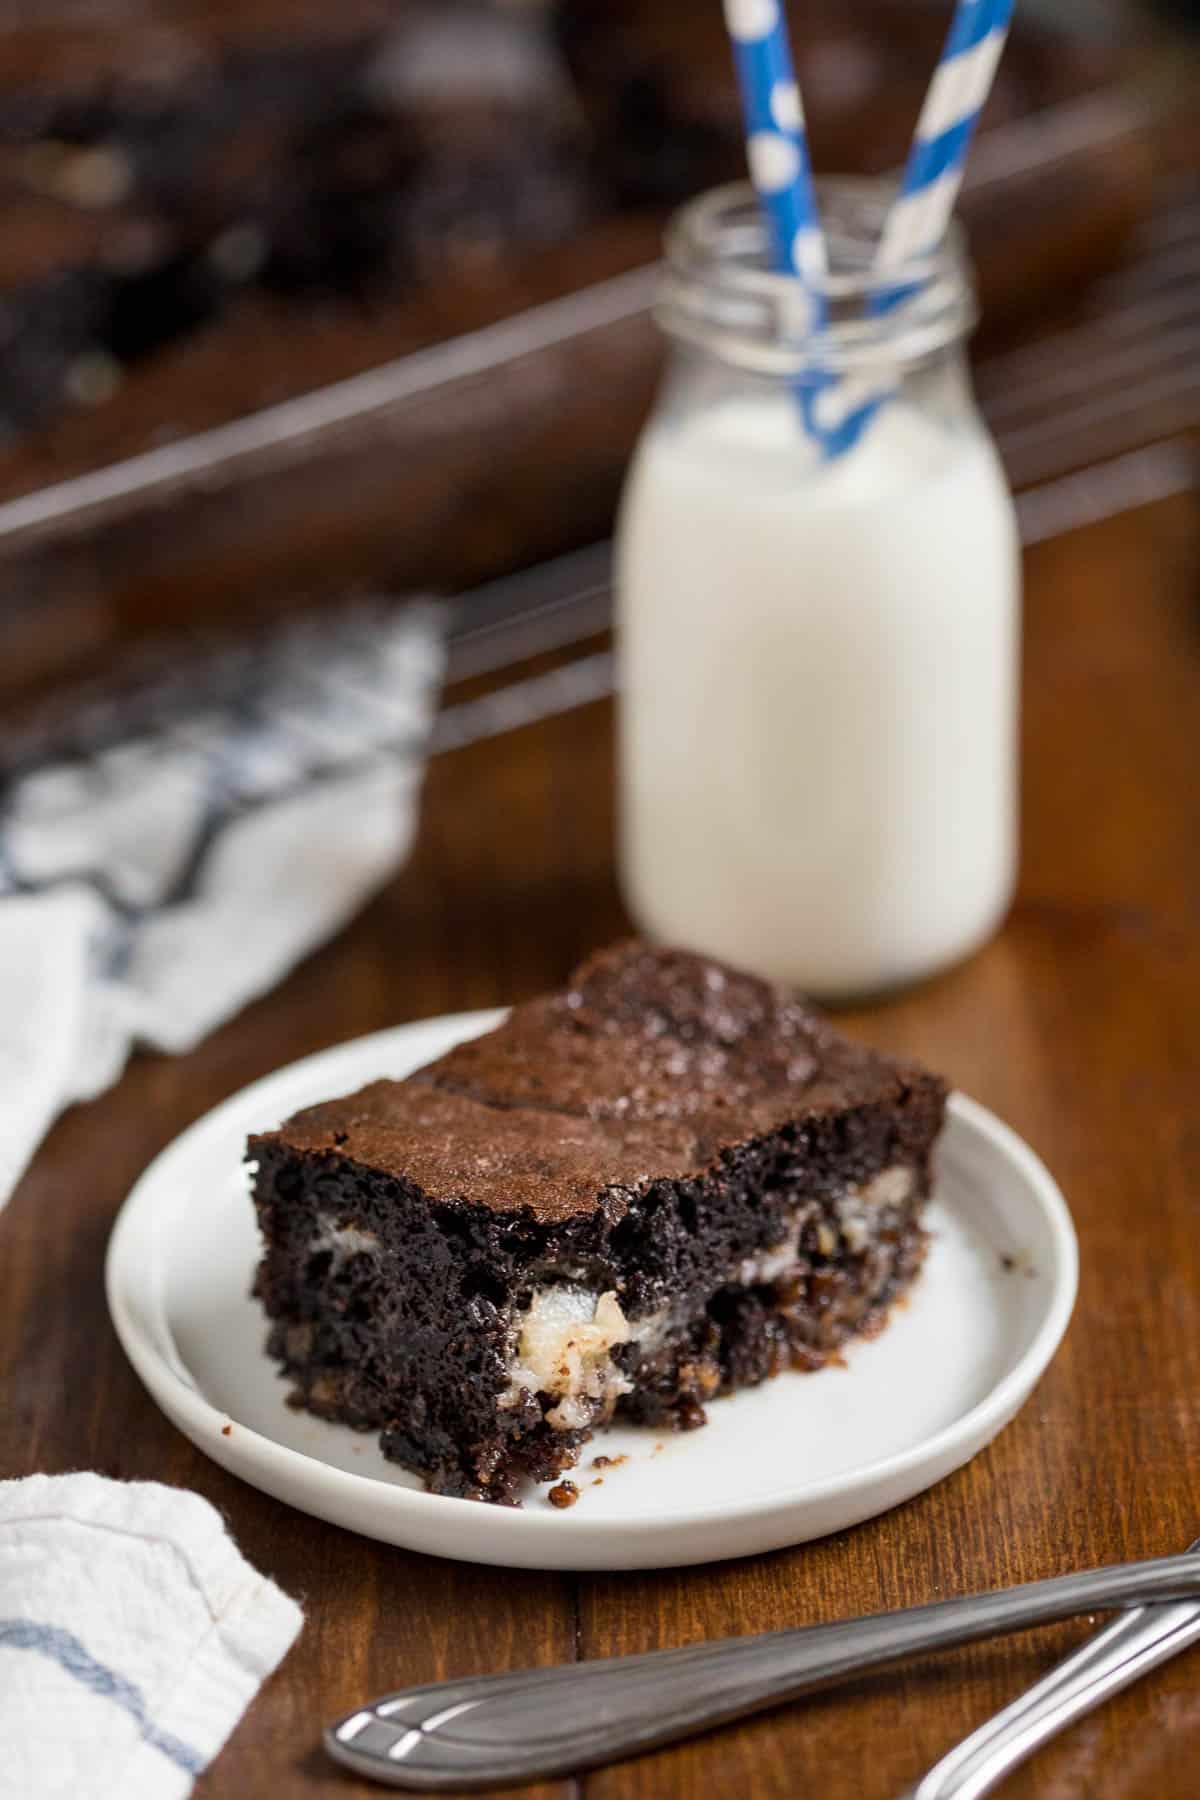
[{"x": 1078, "y": 1024}]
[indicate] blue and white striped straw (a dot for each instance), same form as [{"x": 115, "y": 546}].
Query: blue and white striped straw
[
  {"x": 920, "y": 215},
  {"x": 777, "y": 152},
  {"x": 776, "y": 147}
]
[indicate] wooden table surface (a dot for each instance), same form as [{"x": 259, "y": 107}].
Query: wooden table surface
[{"x": 1078, "y": 1025}]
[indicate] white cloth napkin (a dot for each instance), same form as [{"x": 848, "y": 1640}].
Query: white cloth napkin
[
  {"x": 133, "y": 1636},
  {"x": 166, "y": 857}
]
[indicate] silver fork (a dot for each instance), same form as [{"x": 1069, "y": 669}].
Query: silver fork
[
  {"x": 1127, "y": 1649},
  {"x": 495, "y": 1730}
]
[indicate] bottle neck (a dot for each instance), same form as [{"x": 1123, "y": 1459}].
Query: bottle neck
[{"x": 720, "y": 298}]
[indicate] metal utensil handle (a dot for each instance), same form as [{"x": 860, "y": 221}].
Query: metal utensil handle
[
  {"x": 1000, "y": 1752},
  {"x": 991, "y": 1750},
  {"x": 498, "y": 1729}
]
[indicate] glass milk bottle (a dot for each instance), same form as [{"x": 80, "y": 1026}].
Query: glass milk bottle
[{"x": 819, "y": 655}]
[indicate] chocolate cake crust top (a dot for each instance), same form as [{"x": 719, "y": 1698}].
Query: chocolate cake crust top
[{"x": 641, "y": 1070}]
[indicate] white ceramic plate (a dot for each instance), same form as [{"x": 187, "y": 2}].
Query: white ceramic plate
[{"x": 798, "y": 1457}]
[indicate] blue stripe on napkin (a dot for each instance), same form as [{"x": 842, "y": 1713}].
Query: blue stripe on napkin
[{"x": 66, "y": 1650}]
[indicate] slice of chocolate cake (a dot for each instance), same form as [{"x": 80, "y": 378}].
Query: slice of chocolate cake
[{"x": 665, "y": 1182}]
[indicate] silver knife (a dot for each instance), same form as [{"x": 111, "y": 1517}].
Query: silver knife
[{"x": 494, "y": 1730}]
